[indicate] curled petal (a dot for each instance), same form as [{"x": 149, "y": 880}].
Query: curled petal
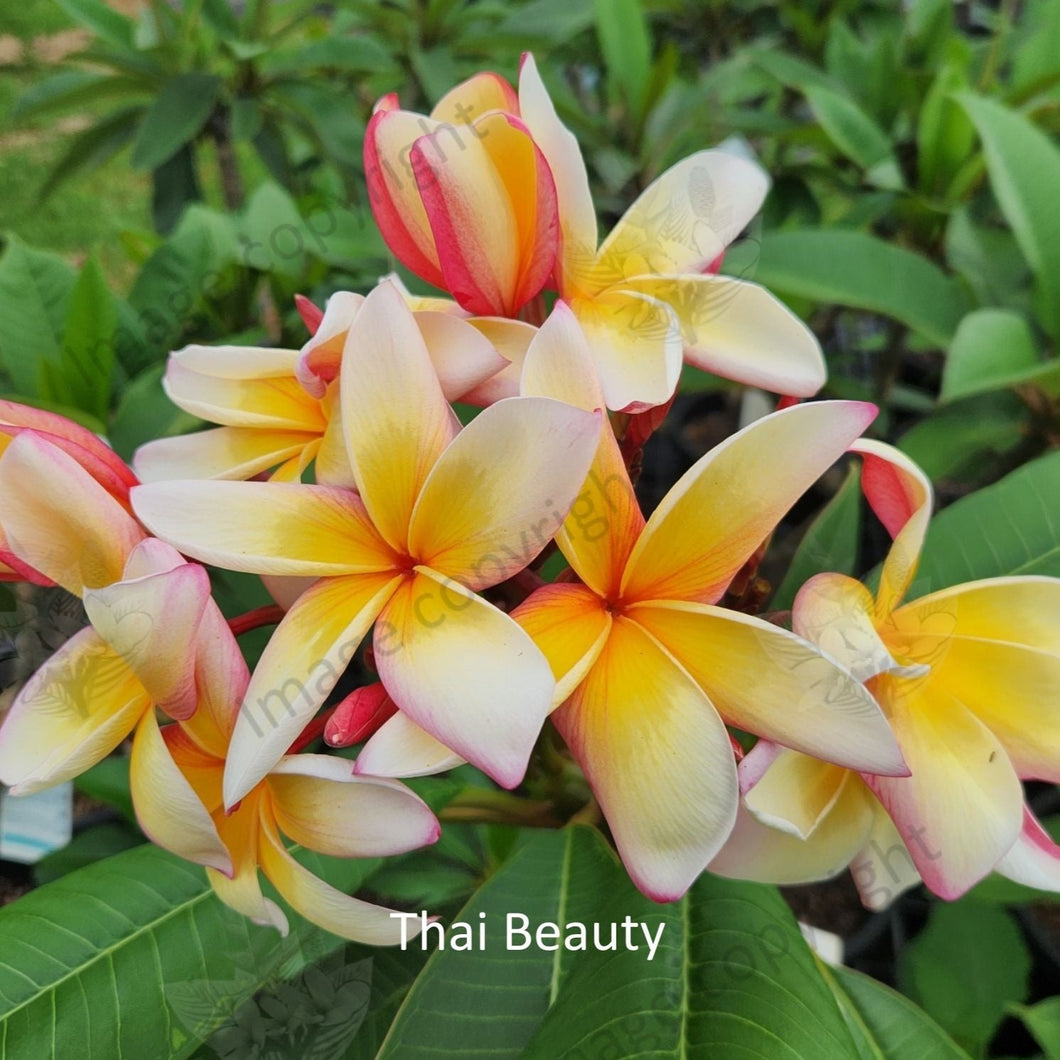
[
  {"x": 883, "y": 868},
  {"x": 511, "y": 339},
  {"x": 474, "y": 97},
  {"x": 359, "y": 715},
  {"x": 1034, "y": 859},
  {"x": 400, "y": 748}
]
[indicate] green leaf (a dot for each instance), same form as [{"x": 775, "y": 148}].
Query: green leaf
[
  {"x": 92, "y": 148},
  {"x": 885, "y": 1025},
  {"x": 108, "y": 782},
  {"x": 145, "y": 413},
  {"x": 72, "y": 88},
  {"x": 994, "y": 349},
  {"x": 1043, "y": 1021},
  {"x": 855, "y": 134},
  {"x": 176, "y": 117},
  {"x": 101, "y": 19},
  {"x": 834, "y": 266},
  {"x": 965, "y": 967},
  {"x": 626, "y": 46},
  {"x": 34, "y": 294},
  {"x": 1011, "y": 527},
  {"x": 174, "y": 187},
  {"x": 944, "y": 134},
  {"x": 829, "y": 544},
  {"x": 86, "y": 848},
  {"x": 101, "y": 962},
  {"x": 1024, "y": 168}
]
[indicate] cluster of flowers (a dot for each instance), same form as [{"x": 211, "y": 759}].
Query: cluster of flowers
[{"x": 880, "y": 723}]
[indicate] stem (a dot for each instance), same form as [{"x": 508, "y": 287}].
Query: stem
[
  {"x": 269, "y": 615},
  {"x": 481, "y": 806},
  {"x": 231, "y": 179}
]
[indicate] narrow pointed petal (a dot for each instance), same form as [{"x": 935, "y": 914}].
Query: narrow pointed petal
[
  {"x": 1034, "y": 859},
  {"x": 961, "y": 810},
  {"x": 658, "y": 758},
  {"x": 637, "y": 345},
  {"x": 395, "y": 417},
  {"x": 796, "y": 793},
  {"x": 474, "y": 97},
  {"x": 517, "y": 468},
  {"x": 321, "y": 904},
  {"x": 167, "y": 807},
  {"x": 511, "y": 339},
  {"x": 400, "y": 748},
  {"x": 320, "y": 804},
  {"x": 837, "y": 615},
  {"x": 276, "y": 402},
  {"x": 900, "y": 494},
  {"x": 758, "y": 852},
  {"x": 740, "y": 331},
  {"x": 392, "y": 192},
  {"x": 71, "y": 714},
  {"x": 731, "y": 500},
  {"x": 683, "y": 220},
  {"x": 577, "y": 215},
  {"x": 605, "y": 520},
  {"x": 465, "y": 672},
  {"x": 765, "y": 680},
  {"x": 59, "y": 520},
  {"x": 570, "y": 624},
  {"x": 883, "y": 868},
  {"x": 224, "y": 452},
  {"x": 152, "y": 623},
  {"x": 303, "y": 660},
  {"x": 309, "y": 530}
]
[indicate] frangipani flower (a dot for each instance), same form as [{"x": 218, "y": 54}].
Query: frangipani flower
[
  {"x": 464, "y": 197},
  {"x": 646, "y": 666},
  {"x": 144, "y": 601},
  {"x": 279, "y": 407},
  {"x": 441, "y": 513},
  {"x": 314, "y": 800},
  {"x": 969, "y": 678},
  {"x": 92, "y": 454}
]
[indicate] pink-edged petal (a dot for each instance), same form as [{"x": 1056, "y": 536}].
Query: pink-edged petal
[
  {"x": 321, "y": 357},
  {"x": 323, "y": 905},
  {"x": 167, "y": 807},
  {"x": 765, "y": 680},
  {"x": 517, "y": 468},
  {"x": 1034, "y": 859},
  {"x": 837, "y": 614},
  {"x": 577, "y": 215},
  {"x": 265, "y": 527},
  {"x": 961, "y": 810},
  {"x": 462, "y": 355},
  {"x": 732, "y": 498},
  {"x": 71, "y": 714},
  {"x": 474, "y": 97},
  {"x": 511, "y": 339},
  {"x": 683, "y": 220},
  {"x": 637, "y": 345},
  {"x": 882, "y": 869},
  {"x": 310, "y": 313},
  {"x": 152, "y": 623},
  {"x": 400, "y": 748},
  {"x": 359, "y": 715},
  {"x": 465, "y": 672},
  {"x": 605, "y": 520},
  {"x": 392, "y": 192},
  {"x": 224, "y": 452},
  {"x": 740, "y": 331},
  {"x": 900, "y": 494},
  {"x": 320, "y": 804},
  {"x": 658, "y": 758},
  {"x": 570, "y": 624},
  {"x": 303, "y": 660},
  {"x": 395, "y": 417},
  {"x": 60, "y": 520}
]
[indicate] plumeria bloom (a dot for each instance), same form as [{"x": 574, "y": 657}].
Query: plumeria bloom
[
  {"x": 463, "y": 199},
  {"x": 648, "y": 669},
  {"x": 440, "y": 514},
  {"x": 92, "y": 454},
  {"x": 969, "y": 678},
  {"x": 279, "y": 407},
  {"x": 313, "y": 800},
  {"x": 144, "y": 601}
]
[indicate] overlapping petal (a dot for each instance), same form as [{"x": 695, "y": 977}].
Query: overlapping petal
[
  {"x": 223, "y": 452},
  {"x": 400, "y": 748}
]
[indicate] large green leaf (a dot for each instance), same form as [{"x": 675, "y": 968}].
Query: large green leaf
[
  {"x": 884, "y": 1024},
  {"x": 731, "y": 976},
  {"x": 102, "y": 962},
  {"x": 1024, "y": 168},
  {"x": 1011, "y": 527},
  {"x": 177, "y": 116},
  {"x": 101, "y": 19},
  {"x": 837, "y": 267},
  {"x": 626, "y": 48}
]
